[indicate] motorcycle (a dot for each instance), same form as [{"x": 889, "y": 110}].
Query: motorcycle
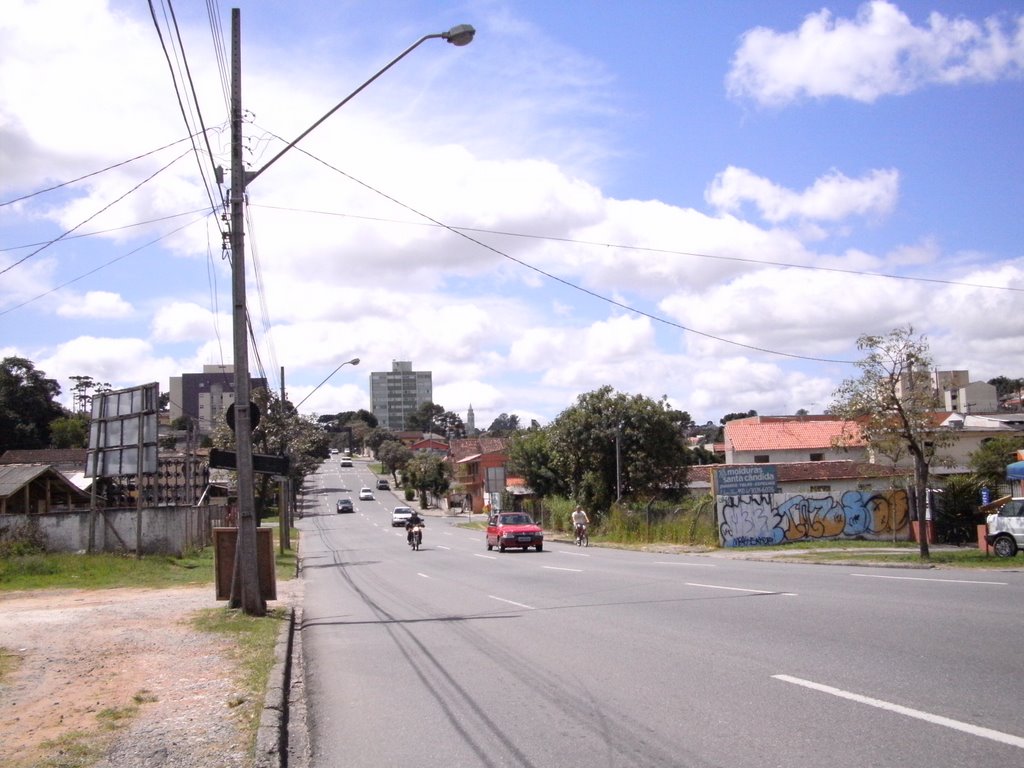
[
  {"x": 416, "y": 536},
  {"x": 582, "y": 539}
]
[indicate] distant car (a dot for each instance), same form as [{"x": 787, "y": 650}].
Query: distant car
[
  {"x": 365, "y": 494},
  {"x": 1005, "y": 528},
  {"x": 383, "y": 485},
  {"x": 514, "y": 529},
  {"x": 334, "y": 451},
  {"x": 400, "y": 516},
  {"x": 346, "y": 462},
  {"x": 345, "y": 505}
]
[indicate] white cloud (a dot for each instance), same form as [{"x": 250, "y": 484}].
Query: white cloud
[
  {"x": 880, "y": 52},
  {"x": 99, "y": 304},
  {"x": 833, "y": 197},
  {"x": 186, "y": 321},
  {"x": 121, "y": 362}
]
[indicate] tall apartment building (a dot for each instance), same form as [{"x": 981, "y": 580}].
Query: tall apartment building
[
  {"x": 397, "y": 393},
  {"x": 206, "y": 396}
]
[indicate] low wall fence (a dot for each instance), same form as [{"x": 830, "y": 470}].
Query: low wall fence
[
  {"x": 783, "y": 518},
  {"x": 161, "y": 530}
]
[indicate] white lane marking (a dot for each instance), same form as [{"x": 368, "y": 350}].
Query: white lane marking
[
  {"x": 975, "y": 730},
  {"x": 442, "y": 546},
  {"x": 556, "y": 568},
  {"x": 741, "y": 589},
  {"x": 423, "y": 575},
  {"x": 573, "y": 554},
  {"x": 485, "y": 557},
  {"x": 922, "y": 578},
  {"x": 694, "y": 565},
  {"x": 512, "y": 602}
]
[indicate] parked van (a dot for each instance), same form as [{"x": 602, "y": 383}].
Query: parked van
[{"x": 1005, "y": 526}]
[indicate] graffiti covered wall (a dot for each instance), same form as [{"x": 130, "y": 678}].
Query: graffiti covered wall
[{"x": 781, "y": 518}]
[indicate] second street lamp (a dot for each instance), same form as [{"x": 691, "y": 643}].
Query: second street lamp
[
  {"x": 353, "y": 361},
  {"x": 245, "y": 589}
]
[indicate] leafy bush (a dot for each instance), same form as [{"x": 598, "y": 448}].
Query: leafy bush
[
  {"x": 956, "y": 514},
  {"x": 25, "y": 539},
  {"x": 689, "y": 523}
]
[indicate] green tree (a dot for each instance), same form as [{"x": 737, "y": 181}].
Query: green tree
[
  {"x": 282, "y": 431},
  {"x": 892, "y": 404},
  {"x": 70, "y": 431},
  {"x": 426, "y": 418},
  {"x": 84, "y": 389},
  {"x": 450, "y": 425},
  {"x": 504, "y": 425},
  {"x": 609, "y": 440},
  {"x": 375, "y": 438},
  {"x": 719, "y": 434},
  {"x": 1007, "y": 387},
  {"x": 394, "y": 456},
  {"x": 989, "y": 462},
  {"x": 28, "y": 405},
  {"x": 428, "y": 473},
  {"x": 531, "y": 457},
  {"x": 733, "y": 416},
  {"x": 352, "y": 426}
]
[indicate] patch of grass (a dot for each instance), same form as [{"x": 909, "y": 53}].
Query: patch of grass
[
  {"x": 75, "y": 749},
  {"x": 105, "y": 570},
  {"x": 250, "y": 641},
  {"x": 101, "y": 571},
  {"x": 966, "y": 557},
  {"x": 113, "y": 718},
  {"x": 144, "y": 697},
  {"x": 9, "y": 661}
]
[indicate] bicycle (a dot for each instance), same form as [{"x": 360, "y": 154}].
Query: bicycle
[{"x": 582, "y": 538}]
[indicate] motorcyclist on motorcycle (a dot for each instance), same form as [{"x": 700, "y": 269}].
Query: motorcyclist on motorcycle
[
  {"x": 414, "y": 520},
  {"x": 580, "y": 521}
]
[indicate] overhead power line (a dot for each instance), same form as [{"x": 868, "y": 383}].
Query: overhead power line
[
  {"x": 107, "y": 207},
  {"x": 641, "y": 248}
]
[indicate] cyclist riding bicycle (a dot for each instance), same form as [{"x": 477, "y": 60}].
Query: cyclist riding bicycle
[{"x": 580, "y": 521}]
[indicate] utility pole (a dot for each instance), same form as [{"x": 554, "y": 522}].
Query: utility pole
[
  {"x": 284, "y": 512},
  {"x": 245, "y": 586},
  {"x": 245, "y": 589}
]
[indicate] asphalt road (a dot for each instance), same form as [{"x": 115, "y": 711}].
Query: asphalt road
[{"x": 456, "y": 656}]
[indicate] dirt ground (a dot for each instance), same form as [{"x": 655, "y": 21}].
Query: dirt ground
[{"x": 129, "y": 658}]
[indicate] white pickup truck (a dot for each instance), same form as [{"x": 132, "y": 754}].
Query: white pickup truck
[{"x": 1005, "y": 526}]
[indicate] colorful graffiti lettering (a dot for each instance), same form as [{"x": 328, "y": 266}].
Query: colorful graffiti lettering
[{"x": 759, "y": 520}]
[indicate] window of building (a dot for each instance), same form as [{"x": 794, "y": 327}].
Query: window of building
[
  {"x": 821, "y": 489},
  {"x": 761, "y": 458},
  {"x": 817, "y": 457}
]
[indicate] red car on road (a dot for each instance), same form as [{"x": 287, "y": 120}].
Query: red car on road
[{"x": 513, "y": 529}]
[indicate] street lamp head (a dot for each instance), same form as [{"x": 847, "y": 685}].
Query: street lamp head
[
  {"x": 354, "y": 361},
  {"x": 461, "y": 34}
]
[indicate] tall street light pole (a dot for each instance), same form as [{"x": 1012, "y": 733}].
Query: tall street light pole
[
  {"x": 353, "y": 361},
  {"x": 245, "y": 589}
]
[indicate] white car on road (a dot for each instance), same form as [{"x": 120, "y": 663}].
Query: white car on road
[{"x": 400, "y": 516}]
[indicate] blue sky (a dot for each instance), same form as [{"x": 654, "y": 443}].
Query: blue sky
[{"x": 710, "y": 202}]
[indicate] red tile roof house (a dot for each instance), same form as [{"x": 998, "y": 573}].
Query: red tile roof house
[
  {"x": 811, "y": 455},
  {"x": 783, "y": 439},
  {"x": 471, "y": 459}
]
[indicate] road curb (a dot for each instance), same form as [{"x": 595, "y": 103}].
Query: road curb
[{"x": 272, "y": 733}]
